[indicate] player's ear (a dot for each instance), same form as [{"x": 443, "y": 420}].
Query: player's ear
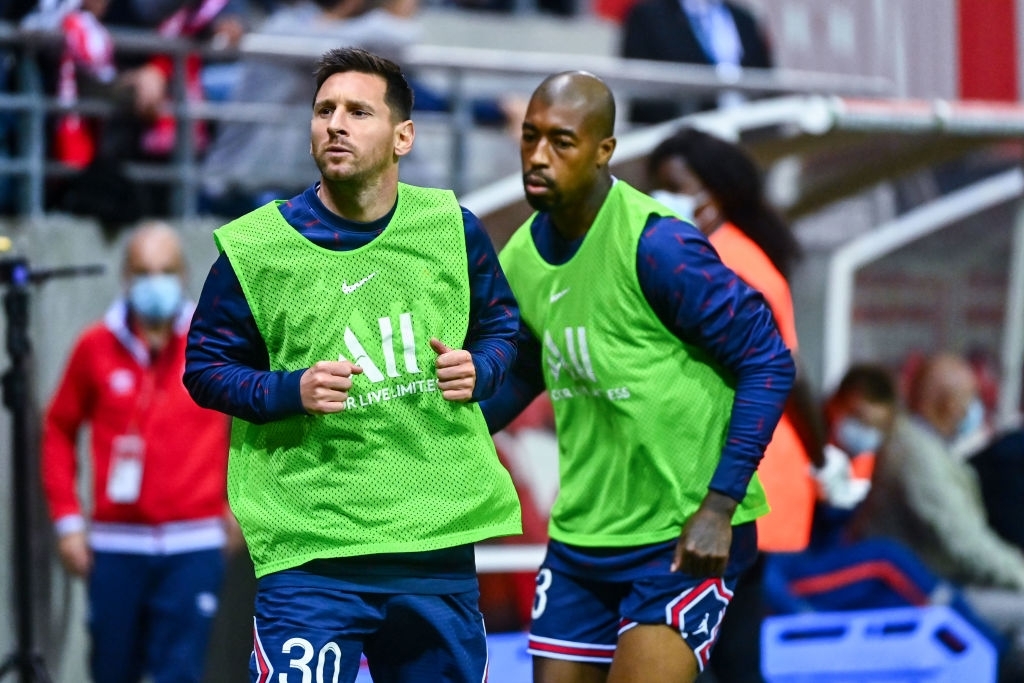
[
  {"x": 605, "y": 149},
  {"x": 405, "y": 133}
]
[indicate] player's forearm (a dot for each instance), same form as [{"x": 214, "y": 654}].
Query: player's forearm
[
  {"x": 492, "y": 358},
  {"x": 512, "y": 398},
  {"x": 493, "y": 312},
  {"x": 523, "y": 383},
  {"x": 493, "y": 344},
  {"x": 256, "y": 396},
  {"x": 761, "y": 393}
]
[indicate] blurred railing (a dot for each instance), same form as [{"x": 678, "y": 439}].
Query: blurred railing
[{"x": 466, "y": 74}]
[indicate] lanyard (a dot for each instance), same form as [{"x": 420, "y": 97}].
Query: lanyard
[{"x": 143, "y": 400}]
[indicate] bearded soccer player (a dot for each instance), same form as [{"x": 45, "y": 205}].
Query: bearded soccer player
[{"x": 350, "y": 331}]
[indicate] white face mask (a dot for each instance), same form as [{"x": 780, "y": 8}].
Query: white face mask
[
  {"x": 973, "y": 421},
  {"x": 155, "y": 298},
  {"x": 971, "y": 433},
  {"x": 855, "y": 437},
  {"x": 682, "y": 205}
]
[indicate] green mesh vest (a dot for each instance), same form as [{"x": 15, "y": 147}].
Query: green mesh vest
[
  {"x": 641, "y": 417},
  {"x": 400, "y": 469}
]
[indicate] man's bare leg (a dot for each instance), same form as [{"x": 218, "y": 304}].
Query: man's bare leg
[
  {"x": 652, "y": 654},
  {"x": 547, "y": 670}
]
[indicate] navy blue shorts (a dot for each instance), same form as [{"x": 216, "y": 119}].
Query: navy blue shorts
[
  {"x": 318, "y": 633},
  {"x": 580, "y": 619},
  {"x": 152, "y": 613},
  {"x": 586, "y": 599}
]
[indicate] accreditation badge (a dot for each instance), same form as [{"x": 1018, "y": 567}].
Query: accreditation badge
[{"x": 124, "y": 481}]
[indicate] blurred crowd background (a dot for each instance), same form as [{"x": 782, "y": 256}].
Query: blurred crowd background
[{"x": 888, "y": 133}]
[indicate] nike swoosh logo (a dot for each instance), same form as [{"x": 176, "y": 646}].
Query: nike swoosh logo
[
  {"x": 349, "y": 288},
  {"x": 558, "y": 295}
]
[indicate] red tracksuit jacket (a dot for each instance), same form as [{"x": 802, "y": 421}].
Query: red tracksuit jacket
[{"x": 112, "y": 386}]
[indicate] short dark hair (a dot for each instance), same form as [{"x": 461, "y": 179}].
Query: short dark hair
[
  {"x": 398, "y": 95},
  {"x": 873, "y": 382}
]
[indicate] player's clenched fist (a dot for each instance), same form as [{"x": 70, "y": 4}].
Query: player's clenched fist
[
  {"x": 324, "y": 387},
  {"x": 456, "y": 374}
]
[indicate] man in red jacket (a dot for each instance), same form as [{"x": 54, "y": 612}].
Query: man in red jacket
[{"x": 152, "y": 552}]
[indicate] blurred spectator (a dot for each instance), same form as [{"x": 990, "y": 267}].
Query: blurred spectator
[
  {"x": 835, "y": 573},
  {"x": 926, "y": 498},
  {"x": 860, "y": 412},
  {"x": 88, "y": 59},
  {"x": 152, "y": 553},
  {"x": 84, "y": 66},
  {"x": 219, "y": 22},
  {"x": 86, "y": 62},
  {"x": 140, "y": 86},
  {"x": 711, "y": 32},
  {"x": 858, "y": 416},
  {"x": 716, "y": 186},
  {"x": 226, "y": 29},
  {"x": 143, "y": 125},
  {"x": 252, "y": 162}
]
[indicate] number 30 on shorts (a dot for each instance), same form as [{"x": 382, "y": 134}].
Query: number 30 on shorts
[{"x": 302, "y": 653}]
